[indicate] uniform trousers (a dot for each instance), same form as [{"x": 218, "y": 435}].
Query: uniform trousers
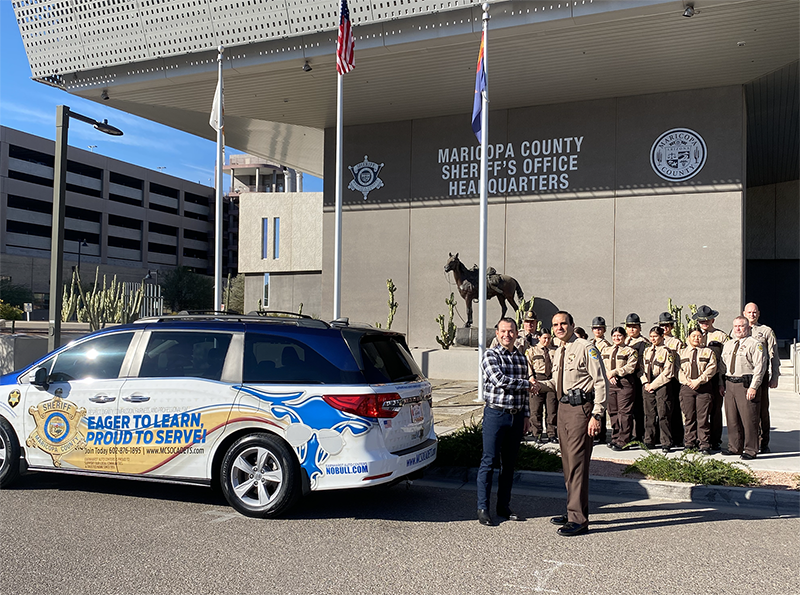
[
  {"x": 502, "y": 433},
  {"x": 638, "y": 410},
  {"x": 544, "y": 402},
  {"x": 716, "y": 413},
  {"x": 576, "y": 454},
  {"x": 765, "y": 421},
  {"x": 743, "y": 418},
  {"x": 657, "y": 416},
  {"x": 676, "y": 423},
  {"x": 620, "y": 409},
  {"x": 696, "y": 407}
]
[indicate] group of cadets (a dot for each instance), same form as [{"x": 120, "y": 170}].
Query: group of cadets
[{"x": 663, "y": 392}]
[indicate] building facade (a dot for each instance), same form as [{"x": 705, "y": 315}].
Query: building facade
[{"x": 126, "y": 219}]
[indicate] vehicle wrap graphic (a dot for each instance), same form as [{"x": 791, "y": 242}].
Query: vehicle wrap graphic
[
  {"x": 316, "y": 430},
  {"x": 59, "y": 430}
]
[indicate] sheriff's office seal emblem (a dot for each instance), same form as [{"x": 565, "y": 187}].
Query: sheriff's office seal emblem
[
  {"x": 13, "y": 398},
  {"x": 57, "y": 428},
  {"x": 365, "y": 177},
  {"x": 678, "y": 154}
]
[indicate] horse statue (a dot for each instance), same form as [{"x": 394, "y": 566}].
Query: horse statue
[{"x": 503, "y": 287}]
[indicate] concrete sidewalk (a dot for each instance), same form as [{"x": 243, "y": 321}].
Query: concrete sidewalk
[{"x": 454, "y": 405}]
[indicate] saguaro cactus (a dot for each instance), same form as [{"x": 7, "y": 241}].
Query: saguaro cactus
[{"x": 448, "y": 331}]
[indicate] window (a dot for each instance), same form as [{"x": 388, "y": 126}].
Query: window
[
  {"x": 185, "y": 354},
  {"x": 386, "y": 359},
  {"x": 100, "y": 357},
  {"x": 265, "y": 297},
  {"x": 265, "y": 238},
  {"x": 272, "y": 358},
  {"x": 276, "y": 238}
]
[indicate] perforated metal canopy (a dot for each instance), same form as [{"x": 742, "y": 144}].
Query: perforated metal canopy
[{"x": 414, "y": 58}]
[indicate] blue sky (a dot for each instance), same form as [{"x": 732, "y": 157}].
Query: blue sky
[{"x": 31, "y": 107}]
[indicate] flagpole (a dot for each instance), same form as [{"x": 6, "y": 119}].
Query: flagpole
[
  {"x": 337, "y": 234},
  {"x": 218, "y": 205},
  {"x": 484, "y": 208}
]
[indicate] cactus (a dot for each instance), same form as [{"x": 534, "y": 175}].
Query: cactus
[
  {"x": 682, "y": 330},
  {"x": 448, "y": 332},
  {"x": 392, "y": 305},
  {"x": 70, "y": 299},
  {"x": 226, "y": 297},
  {"x": 300, "y": 309},
  {"x": 107, "y": 304},
  {"x": 524, "y": 307}
]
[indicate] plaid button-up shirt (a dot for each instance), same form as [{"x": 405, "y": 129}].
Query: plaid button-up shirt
[{"x": 505, "y": 379}]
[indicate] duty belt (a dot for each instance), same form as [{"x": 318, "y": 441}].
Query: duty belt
[
  {"x": 503, "y": 409},
  {"x": 746, "y": 379}
]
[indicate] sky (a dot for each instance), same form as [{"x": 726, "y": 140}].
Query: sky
[{"x": 31, "y": 107}]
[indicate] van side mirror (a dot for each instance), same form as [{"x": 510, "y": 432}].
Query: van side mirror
[{"x": 39, "y": 377}]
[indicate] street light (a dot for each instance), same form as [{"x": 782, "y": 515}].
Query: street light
[
  {"x": 63, "y": 115},
  {"x": 152, "y": 274},
  {"x": 80, "y": 245}
]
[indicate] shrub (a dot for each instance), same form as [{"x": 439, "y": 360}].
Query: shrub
[
  {"x": 693, "y": 467},
  {"x": 464, "y": 447}
]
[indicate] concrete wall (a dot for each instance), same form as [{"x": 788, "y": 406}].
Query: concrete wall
[
  {"x": 300, "y": 231},
  {"x": 606, "y": 236}
]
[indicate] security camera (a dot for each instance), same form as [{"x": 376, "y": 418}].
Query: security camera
[
  {"x": 104, "y": 95},
  {"x": 306, "y": 67}
]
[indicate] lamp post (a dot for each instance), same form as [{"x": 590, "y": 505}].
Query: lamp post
[
  {"x": 152, "y": 275},
  {"x": 63, "y": 115},
  {"x": 81, "y": 244}
]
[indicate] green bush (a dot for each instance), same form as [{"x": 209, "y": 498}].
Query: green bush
[
  {"x": 9, "y": 312},
  {"x": 693, "y": 467},
  {"x": 464, "y": 448}
]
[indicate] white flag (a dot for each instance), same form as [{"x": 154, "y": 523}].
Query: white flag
[{"x": 214, "y": 121}]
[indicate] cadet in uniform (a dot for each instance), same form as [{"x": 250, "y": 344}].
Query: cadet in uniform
[
  {"x": 667, "y": 322},
  {"x": 767, "y": 336},
  {"x": 743, "y": 363},
  {"x": 600, "y": 342},
  {"x": 620, "y": 361},
  {"x": 658, "y": 368},
  {"x": 581, "y": 386},
  {"x": 715, "y": 339},
  {"x": 698, "y": 367},
  {"x": 633, "y": 326},
  {"x": 540, "y": 359}
]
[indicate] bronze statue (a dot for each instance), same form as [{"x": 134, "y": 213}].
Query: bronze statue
[{"x": 502, "y": 287}]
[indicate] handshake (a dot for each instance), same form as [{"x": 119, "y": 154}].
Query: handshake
[{"x": 535, "y": 386}]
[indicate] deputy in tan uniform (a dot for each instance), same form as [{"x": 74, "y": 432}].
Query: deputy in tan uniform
[
  {"x": 715, "y": 339},
  {"x": 743, "y": 362},
  {"x": 620, "y": 362},
  {"x": 697, "y": 367},
  {"x": 667, "y": 322},
  {"x": 540, "y": 361},
  {"x": 633, "y": 326},
  {"x": 773, "y": 371},
  {"x": 658, "y": 368},
  {"x": 600, "y": 342},
  {"x": 580, "y": 383},
  {"x": 529, "y": 335}
]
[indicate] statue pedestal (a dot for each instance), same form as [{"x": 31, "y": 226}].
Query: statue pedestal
[{"x": 468, "y": 337}]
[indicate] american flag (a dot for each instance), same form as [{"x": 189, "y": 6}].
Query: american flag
[{"x": 345, "y": 58}]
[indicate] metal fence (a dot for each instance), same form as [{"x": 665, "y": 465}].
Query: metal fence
[{"x": 152, "y": 300}]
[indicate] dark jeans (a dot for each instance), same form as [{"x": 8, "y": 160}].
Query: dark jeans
[{"x": 502, "y": 433}]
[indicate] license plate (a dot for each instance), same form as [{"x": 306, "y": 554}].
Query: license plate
[{"x": 416, "y": 413}]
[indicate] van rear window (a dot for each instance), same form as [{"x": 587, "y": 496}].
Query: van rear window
[{"x": 386, "y": 360}]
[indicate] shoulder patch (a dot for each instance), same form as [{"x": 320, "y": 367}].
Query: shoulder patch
[
  {"x": 761, "y": 347},
  {"x": 593, "y": 352},
  {"x": 671, "y": 357}
]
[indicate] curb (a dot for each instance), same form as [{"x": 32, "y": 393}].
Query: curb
[{"x": 776, "y": 502}]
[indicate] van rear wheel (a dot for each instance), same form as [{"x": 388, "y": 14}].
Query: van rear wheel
[{"x": 259, "y": 476}]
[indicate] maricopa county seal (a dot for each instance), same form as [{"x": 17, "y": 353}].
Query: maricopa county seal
[
  {"x": 678, "y": 154},
  {"x": 57, "y": 428}
]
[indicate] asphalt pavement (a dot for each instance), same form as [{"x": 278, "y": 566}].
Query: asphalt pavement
[{"x": 85, "y": 535}]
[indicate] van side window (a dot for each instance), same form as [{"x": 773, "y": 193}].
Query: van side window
[
  {"x": 193, "y": 354},
  {"x": 99, "y": 358}
]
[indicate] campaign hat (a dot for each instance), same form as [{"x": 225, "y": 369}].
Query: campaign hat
[
  {"x": 704, "y": 313},
  {"x": 665, "y": 318},
  {"x": 633, "y": 318},
  {"x": 598, "y": 322}
]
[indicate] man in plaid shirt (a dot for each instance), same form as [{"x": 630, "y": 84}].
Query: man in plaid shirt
[{"x": 506, "y": 418}]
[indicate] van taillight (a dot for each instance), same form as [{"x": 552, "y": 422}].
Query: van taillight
[{"x": 372, "y": 405}]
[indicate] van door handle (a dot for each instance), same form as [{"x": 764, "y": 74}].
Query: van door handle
[
  {"x": 136, "y": 399},
  {"x": 102, "y": 399}
]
